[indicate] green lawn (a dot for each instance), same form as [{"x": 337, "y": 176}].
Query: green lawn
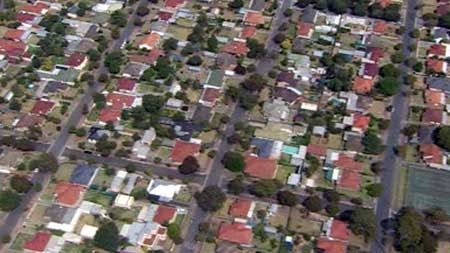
[
  {"x": 125, "y": 215},
  {"x": 74, "y": 248},
  {"x": 102, "y": 180},
  {"x": 19, "y": 241},
  {"x": 267, "y": 245},
  {"x": 208, "y": 247},
  {"x": 99, "y": 198},
  {"x": 400, "y": 189},
  {"x": 64, "y": 171},
  {"x": 184, "y": 196},
  {"x": 283, "y": 172}
]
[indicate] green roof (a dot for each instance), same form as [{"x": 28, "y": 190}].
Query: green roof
[{"x": 215, "y": 78}]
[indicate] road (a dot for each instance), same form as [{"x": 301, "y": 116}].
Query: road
[
  {"x": 15, "y": 217},
  {"x": 265, "y": 64},
  {"x": 400, "y": 106}
]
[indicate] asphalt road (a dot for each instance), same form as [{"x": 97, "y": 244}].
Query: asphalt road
[
  {"x": 390, "y": 163},
  {"x": 15, "y": 217},
  {"x": 264, "y": 66}
]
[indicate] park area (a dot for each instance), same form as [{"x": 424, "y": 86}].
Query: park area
[{"x": 428, "y": 188}]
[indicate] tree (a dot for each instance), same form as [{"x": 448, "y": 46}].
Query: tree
[
  {"x": 372, "y": 144},
  {"x": 142, "y": 10},
  {"x": 15, "y": 105},
  {"x": 187, "y": 50},
  {"x": 313, "y": 203},
  {"x": 45, "y": 162},
  {"x": 374, "y": 190},
  {"x": 9, "y": 200},
  {"x": 236, "y": 4},
  {"x": 113, "y": 61},
  {"x": 211, "y": 198},
  {"x": 152, "y": 103},
  {"x": 170, "y": 44},
  {"x": 20, "y": 184},
  {"x": 332, "y": 196},
  {"x": 236, "y": 186},
  {"x": 194, "y": 60},
  {"x": 254, "y": 82},
  {"x": 389, "y": 70},
  {"x": 118, "y": 18},
  {"x": 388, "y": 86},
  {"x": 257, "y": 49},
  {"x": 441, "y": 137},
  {"x": 436, "y": 215},
  {"x": 332, "y": 209},
  {"x": 338, "y": 6},
  {"x": 265, "y": 187},
  {"x": 212, "y": 44},
  {"x": 233, "y": 161},
  {"x": 363, "y": 222},
  {"x": 107, "y": 237},
  {"x": 174, "y": 233},
  {"x": 287, "y": 198},
  {"x": 190, "y": 165}
]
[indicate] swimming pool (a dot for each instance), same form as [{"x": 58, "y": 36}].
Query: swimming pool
[{"x": 290, "y": 150}]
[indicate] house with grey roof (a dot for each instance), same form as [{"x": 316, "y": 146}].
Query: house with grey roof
[
  {"x": 276, "y": 110},
  {"x": 215, "y": 78}
]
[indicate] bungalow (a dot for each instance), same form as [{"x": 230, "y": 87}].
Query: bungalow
[
  {"x": 160, "y": 190},
  {"x": 360, "y": 122},
  {"x": 263, "y": 168},
  {"x": 16, "y": 34},
  {"x": 109, "y": 6},
  {"x": 120, "y": 101},
  {"x": 42, "y": 107},
  {"x": 434, "y": 98},
  {"x": 76, "y": 60},
  {"x": 235, "y": 232},
  {"x": 369, "y": 70},
  {"x": 38, "y": 8},
  {"x": 362, "y": 85},
  {"x": 126, "y": 85},
  {"x": 140, "y": 150},
  {"x": 183, "y": 149},
  {"x": 336, "y": 229},
  {"x": 325, "y": 245},
  {"x": 28, "y": 120},
  {"x": 236, "y": 47},
  {"x": 379, "y": 27},
  {"x": 165, "y": 214},
  {"x": 209, "y": 96},
  {"x": 433, "y": 156},
  {"x": 253, "y": 18},
  {"x": 242, "y": 209},
  {"x": 146, "y": 234},
  {"x": 276, "y": 110},
  {"x": 119, "y": 178},
  {"x": 375, "y": 54},
  {"x": 13, "y": 50},
  {"x": 124, "y": 201},
  {"x": 150, "y": 41},
  {"x": 436, "y": 65},
  {"x": 109, "y": 114},
  {"x": 305, "y": 30},
  {"x": 37, "y": 243},
  {"x": 248, "y": 32},
  {"x": 83, "y": 175},
  {"x": 319, "y": 151},
  {"x": 439, "y": 50},
  {"x": 68, "y": 194},
  {"x": 174, "y": 3},
  {"x": 432, "y": 116}
]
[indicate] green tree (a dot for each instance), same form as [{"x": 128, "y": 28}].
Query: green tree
[
  {"x": 118, "y": 18},
  {"x": 190, "y": 165},
  {"x": 194, "y": 60},
  {"x": 436, "y": 215},
  {"x": 170, "y": 44},
  {"x": 441, "y": 137},
  {"x": 372, "y": 143},
  {"x": 174, "y": 233},
  {"x": 114, "y": 61},
  {"x": 287, "y": 198},
  {"x": 142, "y": 10},
  {"x": 265, "y": 187},
  {"x": 363, "y": 222},
  {"x": 236, "y": 4},
  {"x": 313, "y": 203},
  {"x": 332, "y": 196},
  {"x": 233, "y": 161},
  {"x": 9, "y": 200},
  {"x": 45, "y": 162},
  {"x": 374, "y": 190},
  {"x": 212, "y": 44},
  {"x": 20, "y": 184},
  {"x": 236, "y": 186},
  {"x": 211, "y": 198},
  {"x": 107, "y": 237}
]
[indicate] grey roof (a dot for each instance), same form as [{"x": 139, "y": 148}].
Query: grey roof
[
  {"x": 215, "y": 78},
  {"x": 56, "y": 213},
  {"x": 136, "y": 231},
  {"x": 82, "y": 174},
  {"x": 309, "y": 14},
  {"x": 130, "y": 184},
  {"x": 439, "y": 83},
  {"x": 264, "y": 146},
  {"x": 149, "y": 213}
]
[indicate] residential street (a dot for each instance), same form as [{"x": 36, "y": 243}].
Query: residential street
[
  {"x": 399, "y": 114},
  {"x": 57, "y": 148}
]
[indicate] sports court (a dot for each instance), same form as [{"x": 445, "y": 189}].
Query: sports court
[{"x": 427, "y": 188}]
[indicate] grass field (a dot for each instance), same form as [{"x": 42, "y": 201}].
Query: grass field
[
  {"x": 99, "y": 198},
  {"x": 64, "y": 171},
  {"x": 283, "y": 172},
  {"x": 400, "y": 189},
  {"x": 19, "y": 241},
  {"x": 427, "y": 188}
]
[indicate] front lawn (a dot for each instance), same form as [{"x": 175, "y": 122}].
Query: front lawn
[
  {"x": 99, "y": 197},
  {"x": 283, "y": 172}
]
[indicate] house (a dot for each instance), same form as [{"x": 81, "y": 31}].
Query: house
[
  {"x": 360, "y": 122},
  {"x": 124, "y": 201},
  {"x": 95, "y": 133},
  {"x": 161, "y": 190},
  {"x": 88, "y": 231},
  {"x": 276, "y": 110},
  {"x": 436, "y": 65},
  {"x": 126, "y": 85},
  {"x": 439, "y": 50},
  {"x": 120, "y": 101},
  {"x": 287, "y": 79},
  {"x": 164, "y": 214},
  {"x": 209, "y": 96},
  {"x": 438, "y": 83},
  {"x": 134, "y": 70},
  {"x": 183, "y": 149},
  {"x": 288, "y": 94},
  {"x": 141, "y": 150},
  {"x": 83, "y": 175},
  {"x": 37, "y": 243},
  {"x": 28, "y": 120},
  {"x": 174, "y": 3},
  {"x": 76, "y": 60},
  {"x": 109, "y": 6},
  {"x": 165, "y": 15},
  {"x": 362, "y": 85},
  {"x": 235, "y": 232},
  {"x": 150, "y": 41},
  {"x": 336, "y": 230},
  {"x": 375, "y": 54},
  {"x": 319, "y": 151},
  {"x": 369, "y": 70},
  {"x": 305, "y": 30},
  {"x": 236, "y": 47},
  {"x": 248, "y": 32},
  {"x": 146, "y": 234},
  {"x": 432, "y": 155},
  {"x": 264, "y": 168},
  {"x": 326, "y": 245},
  {"x": 13, "y": 50},
  {"x": 215, "y": 79},
  {"x": 434, "y": 98},
  {"x": 242, "y": 208},
  {"x": 16, "y": 34},
  {"x": 42, "y": 107},
  {"x": 119, "y": 178},
  {"x": 68, "y": 194},
  {"x": 253, "y": 18},
  {"x": 38, "y": 8},
  {"x": 379, "y": 27},
  {"x": 432, "y": 116},
  {"x": 266, "y": 148},
  {"x": 109, "y": 114},
  {"x": 149, "y": 136}
]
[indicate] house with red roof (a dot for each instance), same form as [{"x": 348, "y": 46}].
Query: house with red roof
[
  {"x": 165, "y": 214},
  {"x": 150, "y": 41},
  {"x": 120, "y": 101},
  {"x": 183, "y": 149},
  {"x": 379, "y": 27},
  {"x": 209, "y": 96},
  {"x": 362, "y": 85},
  {"x": 326, "y": 245},
  {"x": 375, "y": 54},
  {"x": 68, "y": 194},
  {"x": 346, "y": 162},
  {"x": 242, "y": 209},
  {"x": 336, "y": 230},
  {"x": 25, "y": 18},
  {"x": 236, "y": 47},
  {"x": 109, "y": 114},
  {"x": 369, "y": 70},
  {"x": 42, "y": 107},
  {"x": 16, "y": 34},
  {"x": 305, "y": 30},
  {"x": 263, "y": 168},
  {"x": 13, "y": 50},
  {"x": 343, "y": 170},
  {"x": 28, "y": 120},
  {"x": 174, "y": 3},
  {"x": 434, "y": 98},
  {"x": 319, "y": 151},
  {"x": 360, "y": 122},
  {"x": 126, "y": 85},
  {"x": 433, "y": 116},
  {"x": 248, "y": 32},
  {"x": 76, "y": 60},
  {"x": 433, "y": 156},
  {"x": 436, "y": 65},
  {"x": 253, "y": 18},
  {"x": 235, "y": 232},
  {"x": 165, "y": 15},
  {"x": 37, "y": 243},
  {"x": 439, "y": 50},
  {"x": 38, "y": 8}
]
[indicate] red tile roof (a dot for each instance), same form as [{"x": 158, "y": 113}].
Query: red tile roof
[
  {"x": 437, "y": 49},
  {"x": 150, "y": 40},
  {"x": 173, "y": 3},
  {"x": 346, "y": 162},
  {"x": 442, "y": 9},
  {"x": 248, "y": 32},
  {"x": 435, "y": 65},
  {"x": 434, "y": 97},
  {"x": 432, "y": 115},
  {"x": 150, "y": 58},
  {"x": 339, "y": 230},
  {"x": 350, "y": 179},
  {"x": 235, "y": 232},
  {"x": 331, "y": 246},
  {"x": 240, "y": 208},
  {"x": 235, "y": 47},
  {"x": 210, "y": 95},
  {"x": 360, "y": 121},
  {"x": 75, "y": 59},
  {"x": 126, "y": 84},
  {"x": 379, "y": 26},
  {"x": 67, "y": 193},
  {"x": 258, "y": 167},
  {"x": 183, "y": 149},
  {"x": 375, "y": 53},
  {"x": 165, "y": 15},
  {"x": 42, "y": 107},
  {"x": 362, "y": 85},
  {"x": 109, "y": 114},
  {"x": 304, "y": 29},
  {"x": 370, "y": 69},
  {"x": 254, "y": 18},
  {"x": 13, "y": 34},
  {"x": 25, "y": 17},
  {"x": 28, "y": 120},
  {"x": 164, "y": 214},
  {"x": 38, "y": 242},
  {"x": 431, "y": 153},
  {"x": 37, "y": 8},
  {"x": 317, "y": 150},
  {"x": 12, "y": 48},
  {"x": 119, "y": 101}
]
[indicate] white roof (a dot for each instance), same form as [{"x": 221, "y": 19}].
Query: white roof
[
  {"x": 293, "y": 179},
  {"x": 124, "y": 201},
  {"x": 163, "y": 189},
  {"x": 88, "y": 231},
  {"x": 309, "y": 106}
]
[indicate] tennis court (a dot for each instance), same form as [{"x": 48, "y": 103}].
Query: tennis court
[{"x": 427, "y": 188}]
